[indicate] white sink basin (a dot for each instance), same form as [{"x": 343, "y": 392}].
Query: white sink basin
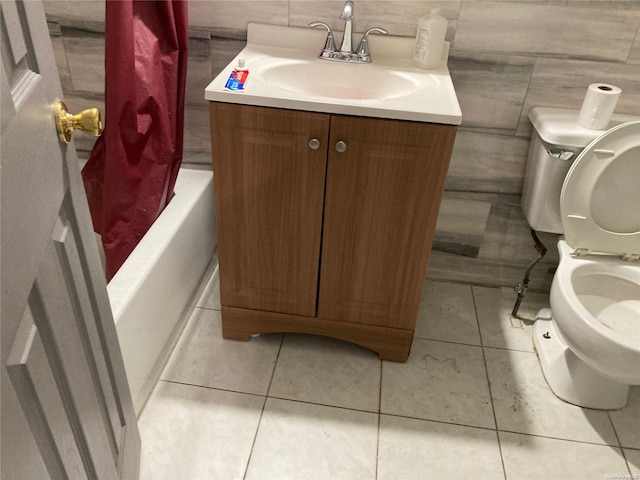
[
  {"x": 339, "y": 80},
  {"x": 285, "y": 72}
]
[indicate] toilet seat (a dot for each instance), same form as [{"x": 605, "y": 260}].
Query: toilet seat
[{"x": 600, "y": 198}]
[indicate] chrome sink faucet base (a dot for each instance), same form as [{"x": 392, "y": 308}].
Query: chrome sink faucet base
[
  {"x": 347, "y": 16},
  {"x": 346, "y": 52}
]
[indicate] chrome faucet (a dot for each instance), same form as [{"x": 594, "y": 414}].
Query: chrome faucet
[
  {"x": 346, "y": 52},
  {"x": 347, "y": 16}
]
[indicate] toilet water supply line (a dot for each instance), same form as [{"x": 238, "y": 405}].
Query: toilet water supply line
[{"x": 521, "y": 288}]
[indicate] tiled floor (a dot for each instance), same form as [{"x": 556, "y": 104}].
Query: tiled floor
[{"x": 471, "y": 403}]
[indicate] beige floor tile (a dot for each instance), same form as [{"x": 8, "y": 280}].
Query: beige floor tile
[
  {"x": 210, "y": 297},
  {"x": 524, "y": 403},
  {"x": 418, "y": 449},
  {"x": 497, "y": 328},
  {"x": 633, "y": 459},
  {"x": 447, "y": 313},
  {"x": 440, "y": 381},
  {"x": 627, "y": 421},
  {"x": 327, "y": 371},
  {"x": 534, "y": 458},
  {"x": 203, "y": 357},
  {"x": 298, "y": 440},
  {"x": 197, "y": 433}
]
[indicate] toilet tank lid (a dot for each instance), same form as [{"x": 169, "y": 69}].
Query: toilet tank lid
[{"x": 559, "y": 126}]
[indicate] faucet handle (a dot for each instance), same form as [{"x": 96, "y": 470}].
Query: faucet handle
[
  {"x": 329, "y": 44},
  {"x": 363, "y": 48}
]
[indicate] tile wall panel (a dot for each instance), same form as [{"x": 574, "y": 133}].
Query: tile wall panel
[
  {"x": 197, "y": 136},
  {"x": 74, "y": 11},
  {"x": 546, "y": 29},
  {"x": 399, "y": 17},
  {"x": 461, "y": 226},
  {"x": 199, "y": 67},
  {"x": 55, "y": 33},
  {"x": 563, "y": 84},
  {"x": 491, "y": 89},
  {"x": 223, "y": 50},
  {"x": 507, "y": 57},
  {"x": 634, "y": 53},
  {"x": 85, "y": 57},
  {"x": 232, "y": 16},
  {"x": 487, "y": 163}
]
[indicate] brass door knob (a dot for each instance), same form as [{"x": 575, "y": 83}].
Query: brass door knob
[{"x": 87, "y": 121}]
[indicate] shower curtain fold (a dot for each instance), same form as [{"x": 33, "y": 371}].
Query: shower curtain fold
[{"x": 132, "y": 169}]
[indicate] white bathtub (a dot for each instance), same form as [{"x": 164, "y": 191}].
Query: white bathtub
[{"x": 153, "y": 292}]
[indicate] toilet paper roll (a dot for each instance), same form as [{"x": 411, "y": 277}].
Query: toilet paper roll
[{"x": 598, "y": 106}]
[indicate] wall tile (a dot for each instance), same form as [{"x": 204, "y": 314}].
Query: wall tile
[
  {"x": 232, "y": 16},
  {"x": 493, "y": 248},
  {"x": 197, "y": 136},
  {"x": 507, "y": 235},
  {"x": 223, "y": 50},
  {"x": 500, "y": 70},
  {"x": 55, "y": 34},
  {"x": 563, "y": 84},
  {"x": 199, "y": 72},
  {"x": 75, "y": 11},
  {"x": 490, "y": 89},
  {"x": 85, "y": 55},
  {"x": 399, "y": 17},
  {"x": 634, "y": 53},
  {"x": 461, "y": 225},
  {"x": 546, "y": 29},
  {"x": 487, "y": 163},
  {"x": 448, "y": 267}
]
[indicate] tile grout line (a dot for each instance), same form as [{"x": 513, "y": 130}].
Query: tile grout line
[
  {"x": 408, "y": 417},
  {"x": 486, "y": 370},
  {"x": 582, "y": 442},
  {"x": 615, "y": 432},
  {"x": 379, "y": 419},
  {"x": 379, "y": 410},
  {"x": 266, "y": 397}
]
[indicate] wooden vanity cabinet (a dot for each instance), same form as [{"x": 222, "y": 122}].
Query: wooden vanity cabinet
[{"x": 322, "y": 241}]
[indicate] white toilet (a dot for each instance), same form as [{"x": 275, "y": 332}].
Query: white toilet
[{"x": 589, "y": 342}]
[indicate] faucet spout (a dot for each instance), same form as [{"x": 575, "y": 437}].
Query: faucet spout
[
  {"x": 347, "y": 16},
  {"x": 347, "y": 11}
]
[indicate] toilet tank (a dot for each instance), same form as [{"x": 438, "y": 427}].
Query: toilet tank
[{"x": 556, "y": 141}]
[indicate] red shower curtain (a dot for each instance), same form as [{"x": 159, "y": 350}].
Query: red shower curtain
[{"x": 132, "y": 169}]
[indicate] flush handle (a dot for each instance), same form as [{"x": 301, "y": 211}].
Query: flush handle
[
  {"x": 560, "y": 154},
  {"x": 341, "y": 146},
  {"x": 87, "y": 121},
  {"x": 314, "y": 144}
]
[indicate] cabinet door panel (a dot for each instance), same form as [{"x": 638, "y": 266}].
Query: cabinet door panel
[
  {"x": 382, "y": 199},
  {"x": 269, "y": 195}
]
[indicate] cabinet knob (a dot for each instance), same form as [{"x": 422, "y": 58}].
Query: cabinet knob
[
  {"x": 314, "y": 144},
  {"x": 341, "y": 146}
]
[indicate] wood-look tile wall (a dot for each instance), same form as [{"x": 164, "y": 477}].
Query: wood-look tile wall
[{"x": 506, "y": 58}]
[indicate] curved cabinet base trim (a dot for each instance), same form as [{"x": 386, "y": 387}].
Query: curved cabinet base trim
[{"x": 391, "y": 344}]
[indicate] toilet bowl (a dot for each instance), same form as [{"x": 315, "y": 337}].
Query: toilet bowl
[
  {"x": 589, "y": 343},
  {"x": 589, "y": 347}
]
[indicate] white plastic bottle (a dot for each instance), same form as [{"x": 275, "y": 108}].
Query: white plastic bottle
[{"x": 430, "y": 39}]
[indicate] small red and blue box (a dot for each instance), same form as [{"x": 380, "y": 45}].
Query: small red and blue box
[{"x": 237, "y": 80}]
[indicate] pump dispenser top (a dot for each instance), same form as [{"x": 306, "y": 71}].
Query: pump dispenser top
[{"x": 432, "y": 30}]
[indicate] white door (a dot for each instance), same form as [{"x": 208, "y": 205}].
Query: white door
[{"x": 66, "y": 410}]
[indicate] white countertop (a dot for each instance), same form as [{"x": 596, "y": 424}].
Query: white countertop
[{"x": 429, "y": 95}]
